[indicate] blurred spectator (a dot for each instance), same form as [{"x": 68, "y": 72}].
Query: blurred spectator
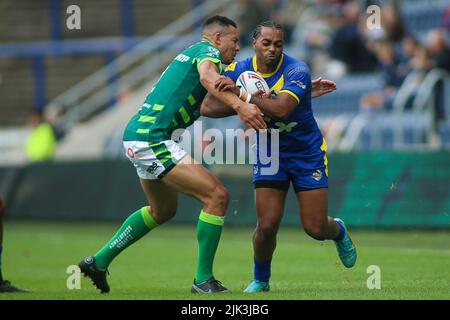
[
  {"x": 409, "y": 45},
  {"x": 392, "y": 22},
  {"x": 348, "y": 44},
  {"x": 446, "y": 20},
  {"x": 439, "y": 49},
  {"x": 392, "y": 27},
  {"x": 257, "y": 11},
  {"x": 440, "y": 56},
  {"x": 41, "y": 143},
  {"x": 254, "y": 12},
  {"x": 393, "y": 70},
  {"x": 311, "y": 39},
  {"x": 279, "y": 14},
  {"x": 406, "y": 53},
  {"x": 421, "y": 60}
]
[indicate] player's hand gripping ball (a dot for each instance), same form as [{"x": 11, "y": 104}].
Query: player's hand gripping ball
[{"x": 251, "y": 82}]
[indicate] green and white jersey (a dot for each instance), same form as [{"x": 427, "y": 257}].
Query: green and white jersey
[{"x": 175, "y": 100}]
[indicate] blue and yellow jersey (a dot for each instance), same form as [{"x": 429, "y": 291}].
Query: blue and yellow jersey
[{"x": 299, "y": 133}]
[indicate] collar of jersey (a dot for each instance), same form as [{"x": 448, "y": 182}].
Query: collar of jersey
[
  {"x": 267, "y": 75},
  {"x": 209, "y": 43}
]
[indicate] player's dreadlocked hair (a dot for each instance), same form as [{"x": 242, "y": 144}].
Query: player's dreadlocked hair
[{"x": 268, "y": 24}]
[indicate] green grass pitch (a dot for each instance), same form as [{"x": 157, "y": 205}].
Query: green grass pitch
[{"x": 414, "y": 264}]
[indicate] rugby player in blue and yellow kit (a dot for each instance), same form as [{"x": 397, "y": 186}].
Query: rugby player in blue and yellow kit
[
  {"x": 302, "y": 150},
  {"x": 164, "y": 168}
]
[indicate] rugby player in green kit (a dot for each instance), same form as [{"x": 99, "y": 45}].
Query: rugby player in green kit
[{"x": 164, "y": 168}]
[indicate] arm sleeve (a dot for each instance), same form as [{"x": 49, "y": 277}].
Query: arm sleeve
[
  {"x": 209, "y": 54},
  {"x": 298, "y": 82}
]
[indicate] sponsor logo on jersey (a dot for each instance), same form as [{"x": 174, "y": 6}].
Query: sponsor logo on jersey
[
  {"x": 285, "y": 127},
  {"x": 130, "y": 153},
  {"x": 299, "y": 83},
  {"x": 299, "y": 69},
  {"x": 182, "y": 58},
  {"x": 213, "y": 50}
]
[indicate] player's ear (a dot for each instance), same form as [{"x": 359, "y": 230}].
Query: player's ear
[{"x": 217, "y": 38}]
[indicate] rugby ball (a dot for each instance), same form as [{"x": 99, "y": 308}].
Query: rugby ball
[{"x": 251, "y": 82}]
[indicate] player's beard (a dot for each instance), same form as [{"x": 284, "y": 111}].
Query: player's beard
[{"x": 272, "y": 61}]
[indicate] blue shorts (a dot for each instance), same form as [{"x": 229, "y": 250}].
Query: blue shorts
[{"x": 305, "y": 172}]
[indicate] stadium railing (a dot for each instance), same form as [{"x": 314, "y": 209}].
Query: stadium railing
[
  {"x": 346, "y": 99},
  {"x": 127, "y": 72},
  {"x": 403, "y": 128}
]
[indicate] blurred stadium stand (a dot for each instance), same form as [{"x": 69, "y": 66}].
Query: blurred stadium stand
[
  {"x": 339, "y": 113},
  {"x": 40, "y": 58},
  {"x": 421, "y": 16},
  {"x": 346, "y": 99},
  {"x": 42, "y": 65},
  {"x": 89, "y": 82}
]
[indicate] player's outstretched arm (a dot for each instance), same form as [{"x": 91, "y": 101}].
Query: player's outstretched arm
[
  {"x": 321, "y": 86},
  {"x": 248, "y": 113}
]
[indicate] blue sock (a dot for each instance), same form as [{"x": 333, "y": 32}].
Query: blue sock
[
  {"x": 262, "y": 270},
  {"x": 341, "y": 232}
]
